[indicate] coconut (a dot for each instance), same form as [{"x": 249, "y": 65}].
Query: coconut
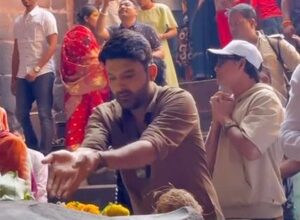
[{"x": 176, "y": 198}]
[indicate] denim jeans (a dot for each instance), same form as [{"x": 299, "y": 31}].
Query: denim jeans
[
  {"x": 288, "y": 206},
  {"x": 40, "y": 91},
  {"x": 271, "y": 25},
  {"x": 296, "y": 21}
]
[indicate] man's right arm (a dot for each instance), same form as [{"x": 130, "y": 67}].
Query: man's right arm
[
  {"x": 68, "y": 169},
  {"x": 286, "y": 6},
  {"x": 133, "y": 155},
  {"x": 287, "y": 24},
  {"x": 101, "y": 30},
  {"x": 15, "y": 66},
  {"x": 289, "y": 168}
]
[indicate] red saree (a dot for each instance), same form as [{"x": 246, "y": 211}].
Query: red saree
[{"x": 85, "y": 81}]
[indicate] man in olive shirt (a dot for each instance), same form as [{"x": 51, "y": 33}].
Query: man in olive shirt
[{"x": 154, "y": 133}]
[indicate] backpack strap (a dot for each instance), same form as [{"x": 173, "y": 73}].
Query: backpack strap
[{"x": 279, "y": 58}]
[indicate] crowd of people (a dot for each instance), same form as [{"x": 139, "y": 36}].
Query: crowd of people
[{"x": 125, "y": 111}]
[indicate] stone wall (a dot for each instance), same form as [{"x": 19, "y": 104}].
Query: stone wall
[
  {"x": 9, "y": 10},
  {"x": 63, "y": 10}
]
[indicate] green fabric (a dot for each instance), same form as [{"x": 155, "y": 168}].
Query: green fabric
[
  {"x": 13, "y": 188},
  {"x": 161, "y": 19}
]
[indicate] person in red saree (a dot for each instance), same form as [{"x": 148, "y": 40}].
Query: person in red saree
[
  {"x": 13, "y": 152},
  {"x": 84, "y": 78}
]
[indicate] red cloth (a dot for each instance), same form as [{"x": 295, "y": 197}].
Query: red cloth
[
  {"x": 266, "y": 8},
  {"x": 13, "y": 151},
  {"x": 223, "y": 26},
  {"x": 14, "y": 156},
  {"x": 85, "y": 80}
]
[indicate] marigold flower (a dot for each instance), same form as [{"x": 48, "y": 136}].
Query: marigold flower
[
  {"x": 115, "y": 210},
  {"x": 90, "y": 208},
  {"x": 73, "y": 205}
]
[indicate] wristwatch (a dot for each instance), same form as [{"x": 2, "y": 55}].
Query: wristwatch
[
  {"x": 37, "y": 69},
  {"x": 229, "y": 124}
]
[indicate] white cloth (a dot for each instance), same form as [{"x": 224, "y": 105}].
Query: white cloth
[
  {"x": 40, "y": 174},
  {"x": 290, "y": 131},
  {"x": 31, "y": 31}
]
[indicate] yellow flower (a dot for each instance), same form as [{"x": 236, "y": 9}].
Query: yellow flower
[
  {"x": 74, "y": 205},
  {"x": 115, "y": 210},
  {"x": 91, "y": 209}
]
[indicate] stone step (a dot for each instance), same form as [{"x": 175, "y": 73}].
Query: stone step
[{"x": 202, "y": 91}]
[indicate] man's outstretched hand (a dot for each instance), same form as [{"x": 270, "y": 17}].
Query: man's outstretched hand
[{"x": 67, "y": 170}]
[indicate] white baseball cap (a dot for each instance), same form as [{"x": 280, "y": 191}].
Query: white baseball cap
[{"x": 243, "y": 49}]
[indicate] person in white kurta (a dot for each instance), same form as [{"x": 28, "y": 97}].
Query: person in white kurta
[{"x": 290, "y": 130}]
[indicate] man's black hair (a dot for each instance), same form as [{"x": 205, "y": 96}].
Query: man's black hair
[
  {"x": 127, "y": 44},
  {"x": 252, "y": 71}
]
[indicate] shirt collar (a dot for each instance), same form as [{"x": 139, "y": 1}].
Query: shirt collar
[
  {"x": 149, "y": 110},
  {"x": 34, "y": 11},
  {"x": 133, "y": 27},
  {"x": 260, "y": 38}
]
